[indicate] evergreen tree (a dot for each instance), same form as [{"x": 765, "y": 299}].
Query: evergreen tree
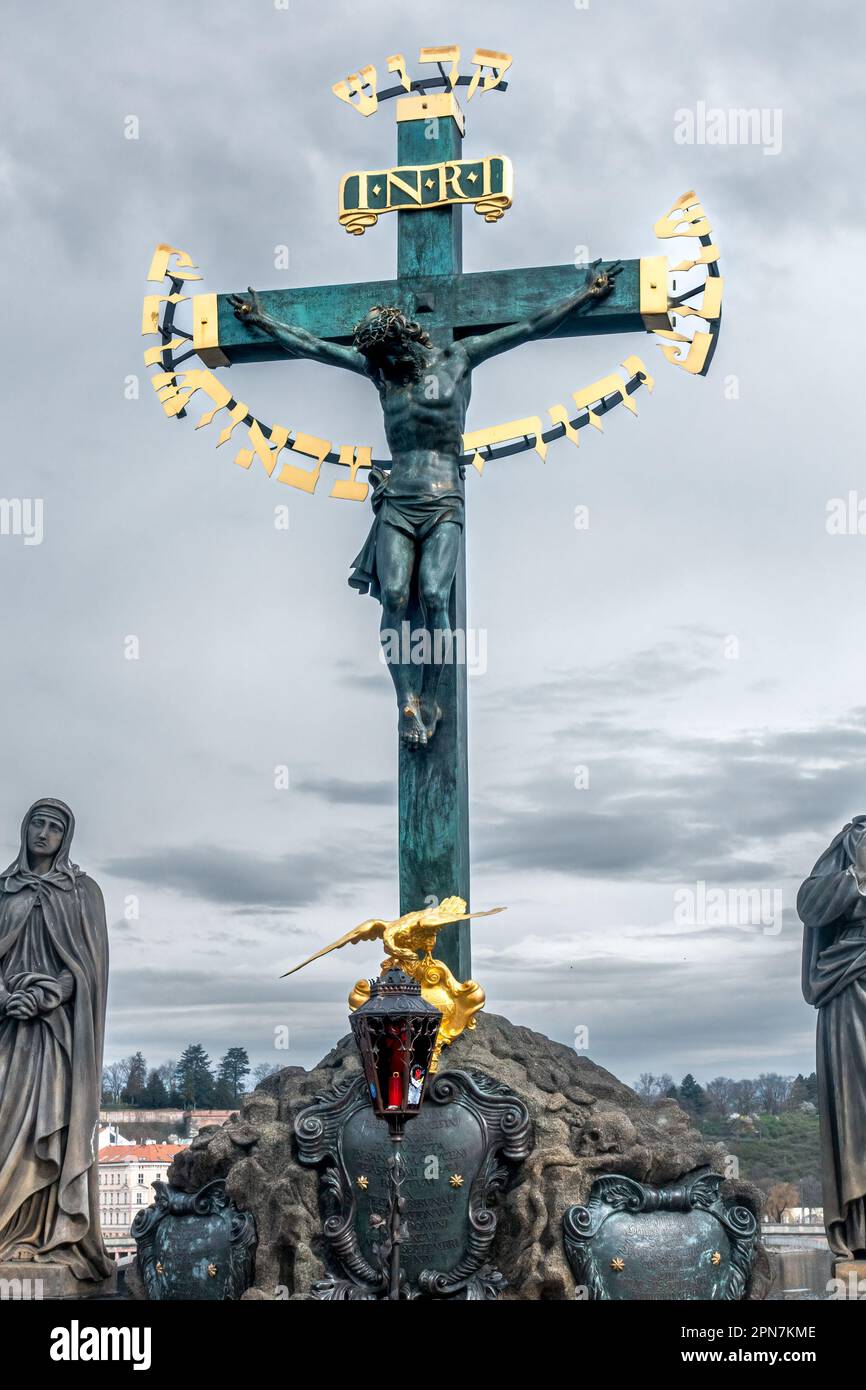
[
  {"x": 195, "y": 1083},
  {"x": 155, "y": 1095},
  {"x": 692, "y": 1095},
  {"x": 233, "y": 1067},
  {"x": 136, "y": 1081}
]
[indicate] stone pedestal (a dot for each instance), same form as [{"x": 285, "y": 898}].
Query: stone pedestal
[
  {"x": 585, "y": 1123},
  {"x": 852, "y": 1273},
  {"x": 27, "y": 1281}
]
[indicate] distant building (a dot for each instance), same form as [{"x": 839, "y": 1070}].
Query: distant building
[
  {"x": 194, "y": 1120},
  {"x": 126, "y": 1172},
  {"x": 110, "y": 1134},
  {"x": 803, "y": 1216}
]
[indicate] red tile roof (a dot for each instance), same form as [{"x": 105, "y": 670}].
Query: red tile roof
[{"x": 139, "y": 1153}]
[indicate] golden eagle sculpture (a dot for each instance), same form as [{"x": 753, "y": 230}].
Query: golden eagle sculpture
[{"x": 403, "y": 939}]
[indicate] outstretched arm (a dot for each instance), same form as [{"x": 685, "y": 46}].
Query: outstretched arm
[
  {"x": 297, "y": 342},
  {"x": 597, "y": 285}
]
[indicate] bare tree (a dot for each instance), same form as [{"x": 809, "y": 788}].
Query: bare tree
[
  {"x": 720, "y": 1094},
  {"x": 115, "y": 1076},
  {"x": 168, "y": 1075},
  {"x": 645, "y": 1086},
  {"x": 744, "y": 1097},
  {"x": 780, "y": 1196},
  {"x": 772, "y": 1091},
  {"x": 263, "y": 1070}
]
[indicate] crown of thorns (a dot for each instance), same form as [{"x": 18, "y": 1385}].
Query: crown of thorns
[{"x": 383, "y": 322}]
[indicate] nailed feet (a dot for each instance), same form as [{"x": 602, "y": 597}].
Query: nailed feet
[{"x": 418, "y": 723}]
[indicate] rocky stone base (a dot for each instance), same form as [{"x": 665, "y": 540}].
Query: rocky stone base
[
  {"x": 27, "y": 1280},
  {"x": 586, "y": 1123}
]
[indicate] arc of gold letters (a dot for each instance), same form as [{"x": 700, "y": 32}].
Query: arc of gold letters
[
  {"x": 175, "y": 389},
  {"x": 530, "y": 427},
  {"x": 360, "y": 89},
  {"x": 687, "y": 218}
]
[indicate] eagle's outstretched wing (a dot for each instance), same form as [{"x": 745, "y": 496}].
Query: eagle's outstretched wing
[
  {"x": 371, "y": 930},
  {"x": 443, "y": 918}
]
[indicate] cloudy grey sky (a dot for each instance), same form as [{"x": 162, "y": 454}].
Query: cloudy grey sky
[{"x": 695, "y": 649}]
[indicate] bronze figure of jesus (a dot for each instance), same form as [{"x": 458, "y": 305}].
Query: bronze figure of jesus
[{"x": 414, "y": 543}]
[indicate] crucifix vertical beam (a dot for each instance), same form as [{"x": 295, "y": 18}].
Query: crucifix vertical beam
[{"x": 434, "y": 781}]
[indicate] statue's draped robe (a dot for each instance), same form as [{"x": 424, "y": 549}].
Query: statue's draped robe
[
  {"x": 53, "y": 940},
  {"x": 833, "y": 910}
]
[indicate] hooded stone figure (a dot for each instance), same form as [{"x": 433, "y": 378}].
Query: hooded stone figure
[
  {"x": 832, "y": 905},
  {"x": 53, "y": 978}
]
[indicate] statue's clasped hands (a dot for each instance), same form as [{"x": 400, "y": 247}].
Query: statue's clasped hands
[
  {"x": 32, "y": 995},
  {"x": 22, "y": 1004}
]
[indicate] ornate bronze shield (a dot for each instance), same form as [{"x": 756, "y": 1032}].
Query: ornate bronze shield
[
  {"x": 459, "y": 1153},
  {"x": 194, "y": 1245},
  {"x": 679, "y": 1241}
]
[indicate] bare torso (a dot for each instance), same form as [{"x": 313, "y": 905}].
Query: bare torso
[{"x": 424, "y": 422}]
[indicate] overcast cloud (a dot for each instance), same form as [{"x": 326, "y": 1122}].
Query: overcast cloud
[{"x": 694, "y": 655}]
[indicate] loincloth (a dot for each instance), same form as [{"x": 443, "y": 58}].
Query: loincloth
[{"x": 416, "y": 516}]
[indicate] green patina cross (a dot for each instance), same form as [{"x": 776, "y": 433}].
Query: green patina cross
[{"x": 452, "y": 307}]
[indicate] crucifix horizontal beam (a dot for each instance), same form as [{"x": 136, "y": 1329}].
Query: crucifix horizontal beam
[{"x": 460, "y": 304}]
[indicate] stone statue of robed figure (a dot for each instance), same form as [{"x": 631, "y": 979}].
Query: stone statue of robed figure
[
  {"x": 414, "y": 545},
  {"x": 53, "y": 979},
  {"x": 832, "y": 905}
]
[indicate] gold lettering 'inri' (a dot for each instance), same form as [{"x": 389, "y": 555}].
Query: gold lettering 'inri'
[{"x": 365, "y": 194}]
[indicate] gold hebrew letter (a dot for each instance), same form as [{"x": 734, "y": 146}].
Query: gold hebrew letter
[
  {"x": 153, "y": 355},
  {"x": 159, "y": 264},
  {"x": 500, "y": 434},
  {"x": 559, "y": 416},
  {"x": 305, "y": 478},
  {"x": 355, "y": 457},
  {"x": 711, "y": 306},
  {"x": 362, "y": 84},
  {"x": 266, "y": 451},
  {"x": 150, "y": 310},
  {"x": 709, "y": 255},
  {"x": 636, "y": 367},
  {"x": 448, "y": 52},
  {"x": 690, "y": 222},
  {"x": 696, "y": 357},
  {"x": 488, "y": 58},
  {"x": 397, "y": 63},
  {"x": 596, "y": 391}
]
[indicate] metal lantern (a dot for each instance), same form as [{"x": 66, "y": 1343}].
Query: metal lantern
[{"x": 396, "y": 1031}]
